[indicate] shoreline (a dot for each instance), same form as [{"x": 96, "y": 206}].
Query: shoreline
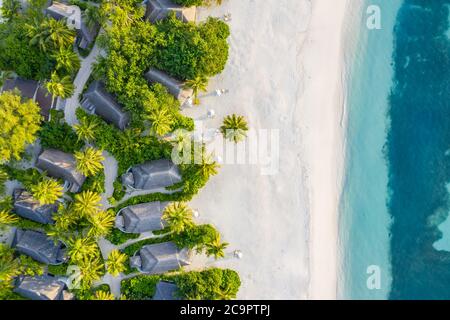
[{"x": 324, "y": 126}]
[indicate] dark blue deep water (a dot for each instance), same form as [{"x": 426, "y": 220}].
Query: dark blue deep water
[{"x": 418, "y": 150}]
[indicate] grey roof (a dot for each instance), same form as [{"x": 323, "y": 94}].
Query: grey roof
[
  {"x": 27, "y": 88},
  {"x": 160, "y": 258},
  {"x": 39, "y": 246},
  {"x": 141, "y": 217},
  {"x": 62, "y": 165},
  {"x": 28, "y": 207},
  {"x": 40, "y": 288},
  {"x": 31, "y": 89},
  {"x": 166, "y": 291},
  {"x": 105, "y": 105},
  {"x": 152, "y": 175},
  {"x": 160, "y": 9},
  {"x": 174, "y": 86}
]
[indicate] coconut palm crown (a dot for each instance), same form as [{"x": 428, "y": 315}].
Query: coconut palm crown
[{"x": 234, "y": 128}]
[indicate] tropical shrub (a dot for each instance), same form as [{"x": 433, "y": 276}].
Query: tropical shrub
[
  {"x": 118, "y": 237},
  {"x": 95, "y": 183},
  {"x": 3, "y": 178},
  {"x": 187, "y": 51},
  {"x": 57, "y": 134},
  {"x": 20, "y": 124},
  {"x": 210, "y": 284}
]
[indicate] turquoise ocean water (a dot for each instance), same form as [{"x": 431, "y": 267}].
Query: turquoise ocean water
[
  {"x": 395, "y": 203},
  {"x": 364, "y": 217}
]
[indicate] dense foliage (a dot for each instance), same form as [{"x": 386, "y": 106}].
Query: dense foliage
[
  {"x": 31, "y": 42},
  {"x": 20, "y": 121},
  {"x": 187, "y": 51},
  {"x": 210, "y": 284},
  {"x": 57, "y": 134}
]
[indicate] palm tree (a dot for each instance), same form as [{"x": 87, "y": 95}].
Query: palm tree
[
  {"x": 216, "y": 248},
  {"x": 80, "y": 249},
  {"x": 161, "y": 121},
  {"x": 89, "y": 161},
  {"x": 47, "y": 191},
  {"x": 178, "y": 216},
  {"x": 207, "y": 166},
  {"x": 87, "y": 203},
  {"x": 66, "y": 60},
  {"x": 199, "y": 83},
  {"x": 103, "y": 295},
  {"x": 60, "y": 87},
  {"x": 50, "y": 34},
  {"x": 101, "y": 223},
  {"x": 234, "y": 128},
  {"x": 86, "y": 129},
  {"x": 91, "y": 270},
  {"x": 5, "y": 75},
  {"x": 116, "y": 262},
  {"x": 181, "y": 139},
  {"x": 64, "y": 218},
  {"x": 7, "y": 218}
]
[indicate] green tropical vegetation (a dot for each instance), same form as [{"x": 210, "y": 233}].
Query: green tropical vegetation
[
  {"x": 234, "y": 128},
  {"x": 89, "y": 161},
  {"x": 178, "y": 217},
  {"x": 116, "y": 263},
  {"x": 210, "y": 284},
  {"x": 32, "y": 42},
  {"x": 20, "y": 123},
  {"x": 199, "y": 83},
  {"x": 36, "y": 46},
  {"x": 47, "y": 191},
  {"x": 12, "y": 266},
  {"x": 57, "y": 134}
]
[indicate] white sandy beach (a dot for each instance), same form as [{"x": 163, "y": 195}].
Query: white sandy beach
[{"x": 284, "y": 73}]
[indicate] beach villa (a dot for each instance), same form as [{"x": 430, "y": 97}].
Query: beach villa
[
  {"x": 166, "y": 291},
  {"x": 174, "y": 86},
  {"x": 31, "y": 89},
  {"x": 61, "y": 165},
  {"x": 98, "y": 100},
  {"x": 39, "y": 246},
  {"x": 28, "y": 207},
  {"x": 141, "y": 217},
  {"x": 159, "y": 10},
  {"x": 85, "y": 35},
  {"x": 160, "y": 258},
  {"x": 42, "y": 288},
  {"x": 152, "y": 175}
]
